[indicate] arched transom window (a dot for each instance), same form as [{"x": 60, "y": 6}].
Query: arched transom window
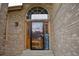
[{"x": 37, "y": 13}]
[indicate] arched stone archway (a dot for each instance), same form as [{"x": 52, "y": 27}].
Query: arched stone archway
[{"x": 37, "y": 15}]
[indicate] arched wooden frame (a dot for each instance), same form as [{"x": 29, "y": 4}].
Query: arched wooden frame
[{"x": 36, "y": 10}]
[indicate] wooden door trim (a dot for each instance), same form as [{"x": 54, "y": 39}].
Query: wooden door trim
[{"x": 27, "y": 37}]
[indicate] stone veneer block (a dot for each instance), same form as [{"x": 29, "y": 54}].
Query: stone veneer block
[{"x": 3, "y": 13}]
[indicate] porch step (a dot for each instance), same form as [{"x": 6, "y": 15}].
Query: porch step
[{"x": 37, "y": 53}]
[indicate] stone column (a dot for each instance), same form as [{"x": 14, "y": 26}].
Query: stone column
[{"x": 3, "y": 12}]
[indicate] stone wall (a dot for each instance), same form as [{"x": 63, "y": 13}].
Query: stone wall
[
  {"x": 15, "y": 32},
  {"x": 66, "y": 28},
  {"x": 3, "y": 13}
]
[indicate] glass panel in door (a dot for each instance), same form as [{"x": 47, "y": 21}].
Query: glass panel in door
[{"x": 37, "y": 36}]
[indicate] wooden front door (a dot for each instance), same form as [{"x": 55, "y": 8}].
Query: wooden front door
[{"x": 37, "y": 35}]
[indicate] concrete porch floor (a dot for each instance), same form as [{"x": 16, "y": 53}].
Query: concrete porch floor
[{"x": 37, "y": 53}]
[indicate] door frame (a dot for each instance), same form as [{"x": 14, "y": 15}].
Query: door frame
[{"x": 26, "y": 26}]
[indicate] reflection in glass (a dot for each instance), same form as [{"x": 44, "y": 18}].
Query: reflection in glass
[{"x": 37, "y": 35}]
